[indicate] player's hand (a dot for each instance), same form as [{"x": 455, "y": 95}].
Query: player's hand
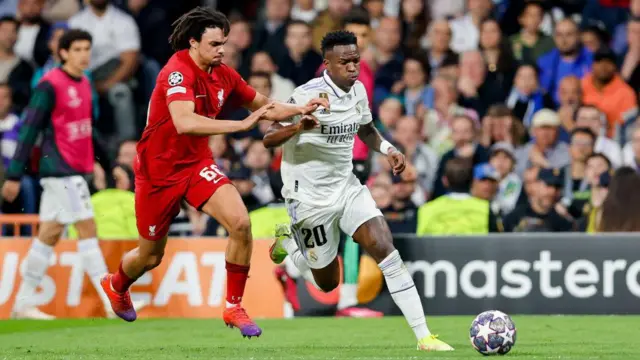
[
  {"x": 308, "y": 122},
  {"x": 314, "y": 104},
  {"x": 397, "y": 160},
  {"x": 260, "y": 114},
  {"x": 10, "y": 190}
]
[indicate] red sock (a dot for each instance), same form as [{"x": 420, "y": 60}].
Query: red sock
[
  {"x": 236, "y": 279},
  {"x": 121, "y": 281}
]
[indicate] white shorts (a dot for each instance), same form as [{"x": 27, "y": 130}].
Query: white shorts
[
  {"x": 317, "y": 229},
  {"x": 65, "y": 200}
]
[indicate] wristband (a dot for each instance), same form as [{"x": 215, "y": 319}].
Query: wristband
[{"x": 385, "y": 147}]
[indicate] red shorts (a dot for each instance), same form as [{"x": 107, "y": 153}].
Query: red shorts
[{"x": 157, "y": 206}]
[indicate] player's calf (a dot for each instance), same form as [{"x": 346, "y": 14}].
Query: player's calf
[{"x": 327, "y": 278}]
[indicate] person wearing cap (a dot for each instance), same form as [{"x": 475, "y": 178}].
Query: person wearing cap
[
  {"x": 545, "y": 150},
  {"x": 402, "y": 213},
  {"x": 457, "y": 212},
  {"x": 485, "y": 182},
  {"x": 502, "y": 157},
  {"x": 605, "y": 89},
  {"x": 539, "y": 214}
]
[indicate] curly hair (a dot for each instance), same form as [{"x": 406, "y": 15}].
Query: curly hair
[
  {"x": 193, "y": 24},
  {"x": 336, "y": 38}
]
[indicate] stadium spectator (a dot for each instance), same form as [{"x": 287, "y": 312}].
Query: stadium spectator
[
  {"x": 421, "y": 156},
  {"x": 457, "y": 212},
  {"x": 446, "y": 9},
  {"x": 502, "y": 157},
  {"x": 477, "y": 90},
  {"x": 591, "y": 117},
  {"x": 466, "y": 29},
  {"x": 258, "y": 159},
  {"x": 300, "y": 62},
  {"x": 60, "y": 10},
  {"x": 575, "y": 185},
  {"x": 330, "y": 20},
  {"x": 570, "y": 95},
  {"x": 375, "y": 8},
  {"x": 223, "y": 153},
  {"x": 485, "y": 182},
  {"x": 402, "y": 213},
  {"x": 9, "y": 125},
  {"x": 232, "y": 57},
  {"x": 281, "y": 88},
  {"x": 358, "y": 22},
  {"x": 618, "y": 210},
  {"x": 115, "y": 58},
  {"x": 439, "y": 48},
  {"x": 240, "y": 36},
  {"x": 437, "y": 121},
  {"x": 622, "y": 34},
  {"x": 381, "y": 192},
  {"x": 415, "y": 17},
  {"x": 126, "y": 153},
  {"x": 33, "y": 33},
  {"x": 13, "y": 70},
  {"x": 388, "y": 57},
  {"x": 269, "y": 33},
  {"x": 304, "y": 10},
  {"x": 594, "y": 37},
  {"x": 390, "y": 111},
  {"x": 568, "y": 58},
  {"x": 545, "y": 150},
  {"x": 605, "y": 89},
  {"x": 530, "y": 43},
  {"x": 539, "y": 214},
  {"x": 154, "y": 21},
  {"x": 500, "y": 126},
  {"x": 630, "y": 64},
  {"x": 526, "y": 98},
  {"x": 497, "y": 54},
  {"x": 631, "y": 150},
  {"x": 463, "y": 134},
  {"x": 412, "y": 88}
]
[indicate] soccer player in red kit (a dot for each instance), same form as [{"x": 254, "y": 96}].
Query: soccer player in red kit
[{"x": 174, "y": 161}]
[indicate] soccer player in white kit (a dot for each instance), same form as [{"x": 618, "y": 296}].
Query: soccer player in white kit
[{"x": 322, "y": 194}]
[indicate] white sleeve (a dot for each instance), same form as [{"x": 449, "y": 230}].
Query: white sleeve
[
  {"x": 363, "y": 105},
  {"x": 127, "y": 35},
  {"x": 298, "y": 97}
]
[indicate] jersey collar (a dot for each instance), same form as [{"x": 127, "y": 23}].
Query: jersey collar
[
  {"x": 184, "y": 56},
  {"x": 336, "y": 90}
]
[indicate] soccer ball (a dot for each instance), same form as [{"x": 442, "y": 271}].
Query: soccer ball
[{"x": 493, "y": 332}]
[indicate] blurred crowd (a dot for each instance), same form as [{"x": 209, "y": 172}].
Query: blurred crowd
[{"x": 520, "y": 109}]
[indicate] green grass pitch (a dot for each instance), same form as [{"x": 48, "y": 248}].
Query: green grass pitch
[{"x": 539, "y": 337}]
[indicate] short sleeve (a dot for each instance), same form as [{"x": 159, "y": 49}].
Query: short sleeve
[
  {"x": 298, "y": 97},
  {"x": 363, "y": 104},
  {"x": 127, "y": 34},
  {"x": 177, "y": 84},
  {"x": 242, "y": 92}
]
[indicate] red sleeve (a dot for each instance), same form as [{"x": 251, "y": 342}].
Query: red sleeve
[
  {"x": 241, "y": 91},
  {"x": 177, "y": 84}
]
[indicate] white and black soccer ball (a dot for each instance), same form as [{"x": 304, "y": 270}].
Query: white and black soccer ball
[{"x": 493, "y": 332}]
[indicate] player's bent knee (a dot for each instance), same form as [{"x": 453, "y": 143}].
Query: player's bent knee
[
  {"x": 328, "y": 285},
  {"x": 240, "y": 228}
]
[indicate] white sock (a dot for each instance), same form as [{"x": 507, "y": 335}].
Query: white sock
[
  {"x": 404, "y": 293},
  {"x": 295, "y": 256},
  {"x": 94, "y": 265},
  {"x": 348, "y": 296},
  {"x": 35, "y": 267}
]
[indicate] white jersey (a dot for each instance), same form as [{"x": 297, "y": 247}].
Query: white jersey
[{"x": 316, "y": 164}]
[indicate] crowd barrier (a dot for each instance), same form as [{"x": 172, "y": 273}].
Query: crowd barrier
[{"x": 520, "y": 274}]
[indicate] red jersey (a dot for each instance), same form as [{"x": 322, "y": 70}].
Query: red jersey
[{"x": 164, "y": 156}]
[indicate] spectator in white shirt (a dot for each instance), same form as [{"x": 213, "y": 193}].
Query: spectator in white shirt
[
  {"x": 466, "y": 30},
  {"x": 282, "y": 88},
  {"x": 632, "y": 150},
  {"x": 114, "y": 58},
  {"x": 33, "y": 33},
  {"x": 591, "y": 117},
  {"x": 503, "y": 158},
  {"x": 303, "y": 10}
]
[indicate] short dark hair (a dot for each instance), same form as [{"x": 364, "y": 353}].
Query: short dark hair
[
  {"x": 357, "y": 16},
  {"x": 459, "y": 174},
  {"x": 499, "y": 110},
  {"x": 298, "y": 22},
  {"x": 584, "y": 130},
  {"x": 602, "y": 156},
  {"x": 69, "y": 37},
  {"x": 194, "y": 23},
  {"x": 532, "y": 3},
  {"x": 336, "y": 38},
  {"x": 421, "y": 59},
  {"x": 11, "y": 19},
  {"x": 533, "y": 66},
  {"x": 261, "y": 74}
]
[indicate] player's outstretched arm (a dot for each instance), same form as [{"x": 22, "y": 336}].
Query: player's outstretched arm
[
  {"x": 284, "y": 111},
  {"x": 188, "y": 122},
  {"x": 372, "y": 138},
  {"x": 278, "y": 134}
]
